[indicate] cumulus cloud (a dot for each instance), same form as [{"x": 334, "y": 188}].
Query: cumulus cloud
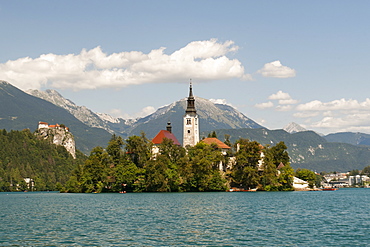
[
  {"x": 280, "y": 95},
  {"x": 91, "y": 69},
  {"x": 284, "y": 108},
  {"x": 221, "y": 102},
  {"x": 341, "y": 104},
  {"x": 277, "y": 70},
  {"x": 265, "y": 105},
  {"x": 337, "y": 115}
]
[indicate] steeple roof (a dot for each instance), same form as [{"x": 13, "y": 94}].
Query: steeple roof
[{"x": 191, "y": 102}]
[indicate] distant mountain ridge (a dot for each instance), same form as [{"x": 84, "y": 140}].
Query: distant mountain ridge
[
  {"x": 19, "y": 110},
  {"x": 360, "y": 139},
  {"x": 82, "y": 113},
  {"x": 211, "y": 116},
  {"x": 307, "y": 149},
  {"x": 334, "y": 152}
]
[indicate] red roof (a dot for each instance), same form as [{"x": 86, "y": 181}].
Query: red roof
[
  {"x": 216, "y": 141},
  {"x": 281, "y": 165},
  {"x": 165, "y": 134}
]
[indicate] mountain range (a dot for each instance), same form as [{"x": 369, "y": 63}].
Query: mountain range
[
  {"x": 211, "y": 116},
  {"x": 307, "y": 149},
  {"x": 334, "y": 152},
  {"x": 19, "y": 110}
]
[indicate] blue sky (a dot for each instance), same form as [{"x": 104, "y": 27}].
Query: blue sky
[{"x": 275, "y": 61}]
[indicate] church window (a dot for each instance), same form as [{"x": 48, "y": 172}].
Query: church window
[
  {"x": 188, "y": 121},
  {"x": 188, "y": 131}
]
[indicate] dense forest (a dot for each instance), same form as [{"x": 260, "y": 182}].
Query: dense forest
[
  {"x": 23, "y": 155},
  {"x": 129, "y": 165},
  {"x": 30, "y": 163}
]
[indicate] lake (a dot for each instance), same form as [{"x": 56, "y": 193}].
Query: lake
[{"x": 317, "y": 218}]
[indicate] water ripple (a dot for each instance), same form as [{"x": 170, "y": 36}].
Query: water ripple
[{"x": 186, "y": 219}]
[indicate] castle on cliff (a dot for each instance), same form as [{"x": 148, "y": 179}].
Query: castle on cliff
[{"x": 58, "y": 135}]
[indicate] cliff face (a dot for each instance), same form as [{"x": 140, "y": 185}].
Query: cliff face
[{"x": 61, "y": 137}]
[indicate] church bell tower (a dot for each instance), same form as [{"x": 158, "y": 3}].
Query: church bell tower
[{"x": 191, "y": 124}]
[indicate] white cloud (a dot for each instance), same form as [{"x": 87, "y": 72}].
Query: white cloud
[
  {"x": 265, "y": 105},
  {"x": 344, "y": 122},
  {"x": 277, "y": 70},
  {"x": 221, "y": 102},
  {"x": 337, "y": 115},
  {"x": 280, "y": 95},
  {"x": 284, "y": 108},
  {"x": 91, "y": 69},
  {"x": 288, "y": 101},
  {"x": 341, "y": 104}
]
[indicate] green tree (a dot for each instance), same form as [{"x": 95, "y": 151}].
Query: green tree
[
  {"x": 204, "y": 161},
  {"x": 114, "y": 149},
  {"x": 306, "y": 175},
  {"x": 286, "y": 178},
  {"x": 269, "y": 178},
  {"x": 139, "y": 149},
  {"x": 212, "y": 134},
  {"x": 95, "y": 171},
  {"x": 245, "y": 171},
  {"x": 366, "y": 171},
  {"x": 280, "y": 154}
]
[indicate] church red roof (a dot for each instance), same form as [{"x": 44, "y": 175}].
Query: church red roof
[
  {"x": 216, "y": 141},
  {"x": 165, "y": 134}
]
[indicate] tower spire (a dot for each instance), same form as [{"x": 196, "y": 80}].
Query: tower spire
[{"x": 191, "y": 101}]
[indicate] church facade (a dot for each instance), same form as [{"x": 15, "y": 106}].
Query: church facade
[{"x": 190, "y": 122}]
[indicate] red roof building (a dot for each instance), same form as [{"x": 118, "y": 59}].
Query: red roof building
[
  {"x": 216, "y": 141},
  {"x": 158, "y": 139}
]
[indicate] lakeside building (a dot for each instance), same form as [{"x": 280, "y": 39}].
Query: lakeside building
[
  {"x": 299, "y": 184},
  {"x": 220, "y": 145}
]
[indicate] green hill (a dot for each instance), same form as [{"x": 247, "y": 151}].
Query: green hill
[
  {"x": 23, "y": 155},
  {"x": 19, "y": 110}
]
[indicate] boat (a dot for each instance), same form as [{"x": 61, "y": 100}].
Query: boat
[
  {"x": 242, "y": 190},
  {"x": 329, "y": 189}
]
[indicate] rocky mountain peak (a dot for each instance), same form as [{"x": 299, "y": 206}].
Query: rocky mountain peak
[{"x": 294, "y": 128}]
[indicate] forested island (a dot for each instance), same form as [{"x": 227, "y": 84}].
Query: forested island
[{"x": 129, "y": 165}]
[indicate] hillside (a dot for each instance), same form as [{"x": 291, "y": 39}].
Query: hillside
[
  {"x": 349, "y": 137},
  {"x": 307, "y": 149},
  {"x": 19, "y": 110},
  {"x": 24, "y": 155}
]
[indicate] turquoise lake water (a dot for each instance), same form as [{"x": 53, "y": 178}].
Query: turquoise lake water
[{"x": 320, "y": 218}]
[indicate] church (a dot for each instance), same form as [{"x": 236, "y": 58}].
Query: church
[
  {"x": 190, "y": 126},
  {"x": 190, "y": 129}
]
